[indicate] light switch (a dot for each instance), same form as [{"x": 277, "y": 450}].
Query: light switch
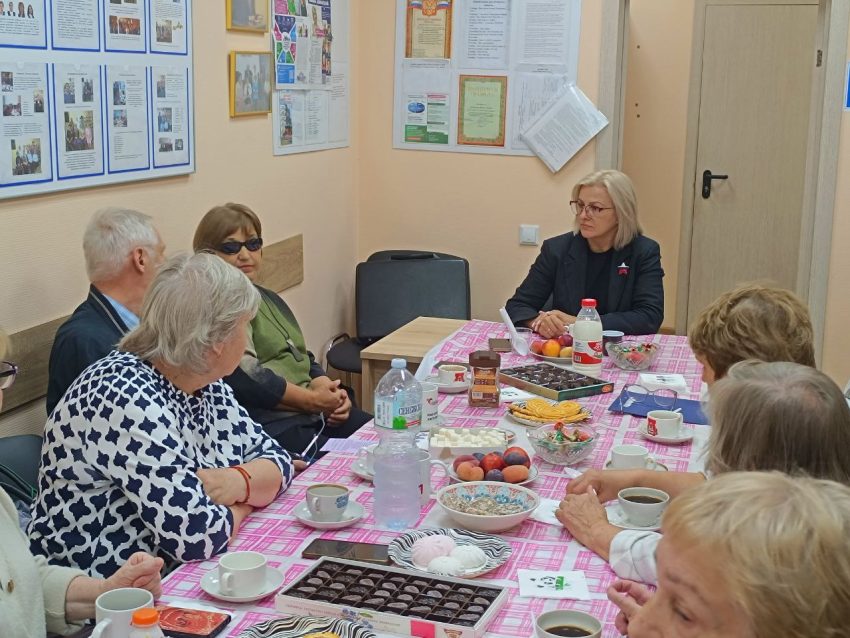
[{"x": 529, "y": 234}]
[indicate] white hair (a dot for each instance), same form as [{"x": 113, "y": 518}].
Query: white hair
[
  {"x": 194, "y": 303},
  {"x": 110, "y": 237}
]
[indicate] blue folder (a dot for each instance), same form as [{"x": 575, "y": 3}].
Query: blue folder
[{"x": 691, "y": 410}]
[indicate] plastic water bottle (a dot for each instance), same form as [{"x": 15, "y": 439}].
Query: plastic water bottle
[
  {"x": 398, "y": 414},
  {"x": 587, "y": 340}
]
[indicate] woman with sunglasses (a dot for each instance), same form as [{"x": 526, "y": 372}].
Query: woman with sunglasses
[
  {"x": 36, "y": 597},
  {"x": 606, "y": 257},
  {"x": 278, "y": 380},
  {"x": 777, "y": 416}
]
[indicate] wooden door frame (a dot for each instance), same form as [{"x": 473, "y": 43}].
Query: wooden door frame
[
  {"x": 613, "y": 58},
  {"x": 821, "y": 158}
]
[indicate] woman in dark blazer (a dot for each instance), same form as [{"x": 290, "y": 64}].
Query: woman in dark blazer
[{"x": 606, "y": 257}]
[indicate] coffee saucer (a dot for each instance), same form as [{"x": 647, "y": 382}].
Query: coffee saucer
[
  {"x": 448, "y": 388},
  {"x": 359, "y": 469},
  {"x": 210, "y": 584},
  {"x": 685, "y": 435},
  {"x": 617, "y": 517},
  {"x": 353, "y": 512},
  {"x": 651, "y": 464}
]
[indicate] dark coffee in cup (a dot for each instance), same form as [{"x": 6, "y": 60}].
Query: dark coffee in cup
[
  {"x": 568, "y": 630},
  {"x": 642, "y": 498}
]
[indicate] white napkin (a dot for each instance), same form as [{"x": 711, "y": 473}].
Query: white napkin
[
  {"x": 509, "y": 394},
  {"x": 545, "y": 512},
  {"x": 543, "y": 584},
  {"x": 652, "y": 381},
  {"x": 520, "y": 346}
]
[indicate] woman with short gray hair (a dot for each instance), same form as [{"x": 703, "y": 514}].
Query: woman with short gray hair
[{"x": 148, "y": 450}]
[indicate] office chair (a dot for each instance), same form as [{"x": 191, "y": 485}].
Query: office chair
[{"x": 392, "y": 288}]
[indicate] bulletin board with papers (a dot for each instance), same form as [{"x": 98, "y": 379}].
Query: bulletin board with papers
[
  {"x": 475, "y": 76},
  {"x": 94, "y": 92}
]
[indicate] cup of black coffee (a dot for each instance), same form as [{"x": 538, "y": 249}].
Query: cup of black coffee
[
  {"x": 643, "y": 506},
  {"x": 566, "y": 622}
]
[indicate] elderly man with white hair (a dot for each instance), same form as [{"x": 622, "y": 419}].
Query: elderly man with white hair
[
  {"x": 148, "y": 450},
  {"x": 123, "y": 250}
]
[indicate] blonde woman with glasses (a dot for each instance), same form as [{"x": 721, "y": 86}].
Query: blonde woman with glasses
[{"x": 605, "y": 257}]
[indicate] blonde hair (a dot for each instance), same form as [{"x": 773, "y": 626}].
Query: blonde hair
[
  {"x": 779, "y": 416},
  {"x": 753, "y": 321},
  {"x": 194, "y": 302},
  {"x": 222, "y": 221},
  {"x": 622, "y": 193},
  {"x": 781, "y": 544}
]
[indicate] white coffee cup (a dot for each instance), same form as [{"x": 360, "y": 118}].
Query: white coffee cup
[
  {"x": 114, "y": 611},
  {"x": 451, "y": 373},
  {"x": 629, "y": 457},
  {"x": 430, "y": 406},
  {"x": 664, "y": 423},
  {"x": 327, "y": 502},
  {"x": 642, "y": 514},
  {"x": 242, "y": 574},
  {"x": 425, "y": 462},
  {"x": 368, "y": 455},
  {"x": 569, "y": 618}
]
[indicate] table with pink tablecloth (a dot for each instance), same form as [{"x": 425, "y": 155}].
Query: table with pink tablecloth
[{"x": 276, "y": 532}]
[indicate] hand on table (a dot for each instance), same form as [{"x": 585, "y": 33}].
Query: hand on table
[
  {"x": 629, "y": 596},
  {"x": 141, "y": 570},
  {"x": 606, "y": 483},
  {"x": 552, "y": 323},
  {"x": 299, "y": 466},
  {"x": 224, "y": 485},
  {"x": 585, "y": 518}
]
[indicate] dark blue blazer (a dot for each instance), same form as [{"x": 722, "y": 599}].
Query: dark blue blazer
[{"x": 635, "y": 294}]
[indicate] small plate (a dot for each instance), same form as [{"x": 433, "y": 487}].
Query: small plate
[
  {"x": 651, "y": 464},
  {"x": 617, "y": 518},
  {"x": 537, "y": 424},
  {"x": 448, "y": 388},
  {"x": 567, "y": 362},
  {"x": 299, "y": 626},
  {"x": 533, "y": 473},
  {"x": 497, "y": 549},
  {"x": 353, "y": 512},
  {"x": 209, "y": 583},
  {"x": 685, "y": 435},
  {"x": 359, "y": 469}
]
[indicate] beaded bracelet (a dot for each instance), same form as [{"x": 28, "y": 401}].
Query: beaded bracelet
[{"x": 247, "y": 478}]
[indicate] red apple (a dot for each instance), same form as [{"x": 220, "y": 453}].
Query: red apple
[{"x": 565, "y": 340}]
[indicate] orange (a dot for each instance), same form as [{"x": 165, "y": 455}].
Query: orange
[{"x": 551, "y": 348}]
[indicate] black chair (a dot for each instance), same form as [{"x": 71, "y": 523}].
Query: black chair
[
  {"x": 20, "y": 457},
  {"x": 392, "y": 288}
]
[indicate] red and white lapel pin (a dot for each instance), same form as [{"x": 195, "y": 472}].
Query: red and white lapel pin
[{"x": 623, "y": 269}]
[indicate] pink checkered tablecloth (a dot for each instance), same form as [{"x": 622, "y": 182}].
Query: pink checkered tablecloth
[{"x": 276, "y": 532}]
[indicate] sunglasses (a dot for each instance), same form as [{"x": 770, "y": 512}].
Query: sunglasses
[
  {"x": 233, "y": 247},
  {"x": 8, "y": 372}
]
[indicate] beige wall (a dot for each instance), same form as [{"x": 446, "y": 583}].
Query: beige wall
[
  {"x": 468, "y": 205},
  {"x": 42, "y": 275}
]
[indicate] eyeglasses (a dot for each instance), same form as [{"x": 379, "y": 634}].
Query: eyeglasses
[
  {"x": 8, "y": 372},
  {"x": 591, "y": 209},
  {"x": 662, "y": 397},
  {"x": 233, "y": 247}
]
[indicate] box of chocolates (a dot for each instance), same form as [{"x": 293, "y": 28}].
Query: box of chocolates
[
  {"x": 393, "y": 600},
  {"x": 553, "y": 382}
]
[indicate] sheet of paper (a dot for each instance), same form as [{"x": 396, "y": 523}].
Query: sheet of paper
[
  {"x": 79, "y": 120},
  {"x": 24, "y": 25},
  {"x": 339, "y": 107},
  {"x": 345, "y": 445},
  {"x": 486, "y": 34},
  {"x": 171, "y": 117},
  {"x": 75, "y": 25},
  {"x": 127, "y": 120},
  {"x": 25, "y": 127},
  {"x": 532, "y": 93},
  {"x": 561, "y": 585},
  {"x": 428, "y": 29},
  {"x": 509, "y": 395},
  {"x": 168, "y": 26},
  {"x": 125, "y": 26},
  {"x": 569, "y": 123},
  {"x": 481, "y": 110},
  {"x": 543, "y": 28},
  {"x": 302, "y": 36}
]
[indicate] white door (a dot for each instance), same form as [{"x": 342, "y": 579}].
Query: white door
[{"x": 755, "y": 90}]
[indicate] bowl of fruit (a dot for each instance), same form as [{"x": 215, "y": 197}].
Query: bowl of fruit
[
  {"x": 558, "y": 350},
  {"x": 632, "y": 355},
  {"x": 562, "y": 443},
  {"x": 513, "y": 466}
]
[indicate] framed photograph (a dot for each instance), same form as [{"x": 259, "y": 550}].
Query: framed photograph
[
  {"x": 248, "y": 15},
  {"x": 250, "y": 83}
]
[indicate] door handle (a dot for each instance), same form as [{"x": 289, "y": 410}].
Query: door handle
[{"x": 706, "y": 182}]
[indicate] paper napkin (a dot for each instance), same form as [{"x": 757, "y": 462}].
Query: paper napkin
[
  {"x": 543, "y": 584},
  {"x": 545, "y": 512},
  {"x": 652, "y": 381}
]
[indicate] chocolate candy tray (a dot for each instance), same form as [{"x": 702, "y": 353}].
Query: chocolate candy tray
[
  {"x": 393, "y": 600},
  {"x": 553, "y": 382}
]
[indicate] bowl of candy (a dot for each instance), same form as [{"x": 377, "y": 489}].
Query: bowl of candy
[
  {"x": 632, "y": 355},
  {"x": 562, "y": 443}
]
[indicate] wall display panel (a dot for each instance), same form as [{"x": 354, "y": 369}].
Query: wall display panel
[
  {"x": 472, "y": 75},
  {"x": 94, "y": 92}
]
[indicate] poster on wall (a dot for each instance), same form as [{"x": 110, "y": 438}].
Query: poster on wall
[
  {"x": 23, "y": 24},
  {"x": 125, "y": 25},
  {"x": 170, "y": 116},
  {"x": 127, "y": 118},
  {"x": 472, "y": 75},
  {"x": 168, "y": 32},
  {"x": 302, "y": 37},
  {"x": 75, "y": 25},
  {"x": 25, "y": 153},
  {"x": 78, "y": 120}
]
